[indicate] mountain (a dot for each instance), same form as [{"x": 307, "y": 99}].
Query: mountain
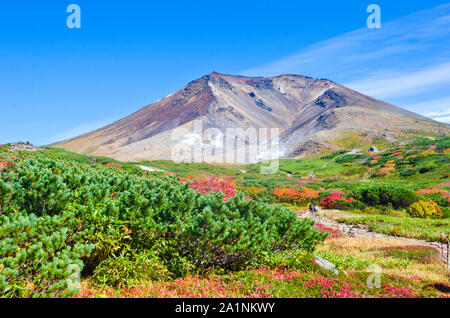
[{"x": 311, "y": 115}]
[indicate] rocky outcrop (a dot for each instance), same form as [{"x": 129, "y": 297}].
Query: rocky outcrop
[
  {"x": 330, "y": 99},
  {"x": 22, "y": 146}
]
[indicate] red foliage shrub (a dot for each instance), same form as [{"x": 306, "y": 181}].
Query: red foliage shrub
[
  {"x": 280, "y": 274},
  {"x": 259, "y": 293},
  {"x": 214, "y": 184},
  {"x": 113, "y": 164},
  {"x": 398, "y": 292},
  {"x": 431, "y": 190},
  {"x": 332, "y": 232},
  {"x": 328, "y": 202},
  {"x": 330, "y": 288},
  {"x": 8, "y": 162},
  {"x": 434, "y": 189},
  {"x": 186, "y": 287},
  {"x": 3, "y": 165}
]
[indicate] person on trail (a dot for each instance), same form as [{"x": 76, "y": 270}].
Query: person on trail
[
  {"x": 311, "y": 209},
  {"x": 316, "y": 208}
]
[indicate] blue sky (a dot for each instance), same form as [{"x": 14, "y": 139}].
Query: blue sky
[{"x": 57, "y": 83}]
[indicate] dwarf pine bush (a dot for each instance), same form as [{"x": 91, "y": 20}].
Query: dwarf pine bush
[
  {"x": 385, "y": 195},
  {"x": 36, "y": 253},
  {"x": 56, "y": 213}
]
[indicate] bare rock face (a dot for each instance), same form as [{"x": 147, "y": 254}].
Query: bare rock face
[
  {"x": 309, "y": 147},
  {"x": 330, "y": 99},
  {"x": 308, "y": 112},
  {"x": 22, "y": 146}
]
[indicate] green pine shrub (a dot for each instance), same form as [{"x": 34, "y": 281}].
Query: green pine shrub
[
  {"x": 37, "y": 252},
  {"x": 95, "y": 213},
  {"x": 385, "y": 195},
  {"x": 130, "y": 268}
]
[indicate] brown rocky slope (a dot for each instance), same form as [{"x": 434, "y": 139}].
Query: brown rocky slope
[{"x": 309, "y": 113}]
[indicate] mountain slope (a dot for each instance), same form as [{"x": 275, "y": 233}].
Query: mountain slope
[{"x": 309, "y": 113}]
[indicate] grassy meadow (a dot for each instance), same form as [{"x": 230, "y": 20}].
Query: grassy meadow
[{"x": 205, "y": 230}]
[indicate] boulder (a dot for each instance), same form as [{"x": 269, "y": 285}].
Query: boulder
[{"x": 326, "y": 265}]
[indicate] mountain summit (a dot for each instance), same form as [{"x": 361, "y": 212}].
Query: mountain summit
[{"x": 310, "y": 114}]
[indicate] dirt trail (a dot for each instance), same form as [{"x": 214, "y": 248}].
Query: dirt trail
[
  {"x": 150, "y": 168},
  {"x": 361, "y": 230},
  {"x": 352, "y": 152}
]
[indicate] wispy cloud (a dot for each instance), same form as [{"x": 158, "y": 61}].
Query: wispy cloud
[
  {"x": 399, "y": 84},
  {"x": 438, "y": 109},
  {"x": 407, "y": 62},
  {"x": 80, "y": 130}
]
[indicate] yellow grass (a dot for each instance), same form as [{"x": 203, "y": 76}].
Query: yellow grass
[{"x": 366, "y": 249}]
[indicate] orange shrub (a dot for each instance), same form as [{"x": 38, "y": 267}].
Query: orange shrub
[
  {"x": 294, "y": 195},
  {"x": 428, "y": 152},
  {"x": 431, "y": 190}
]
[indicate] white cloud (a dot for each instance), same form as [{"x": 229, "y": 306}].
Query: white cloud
[
  {"x": 417, "y": 38},
  {"x": 405, "y": 63}
]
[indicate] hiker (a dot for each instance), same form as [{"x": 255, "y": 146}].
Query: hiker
[
  {"x": 311, "y": 209},
  {"x": 316, "y": 208}
]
